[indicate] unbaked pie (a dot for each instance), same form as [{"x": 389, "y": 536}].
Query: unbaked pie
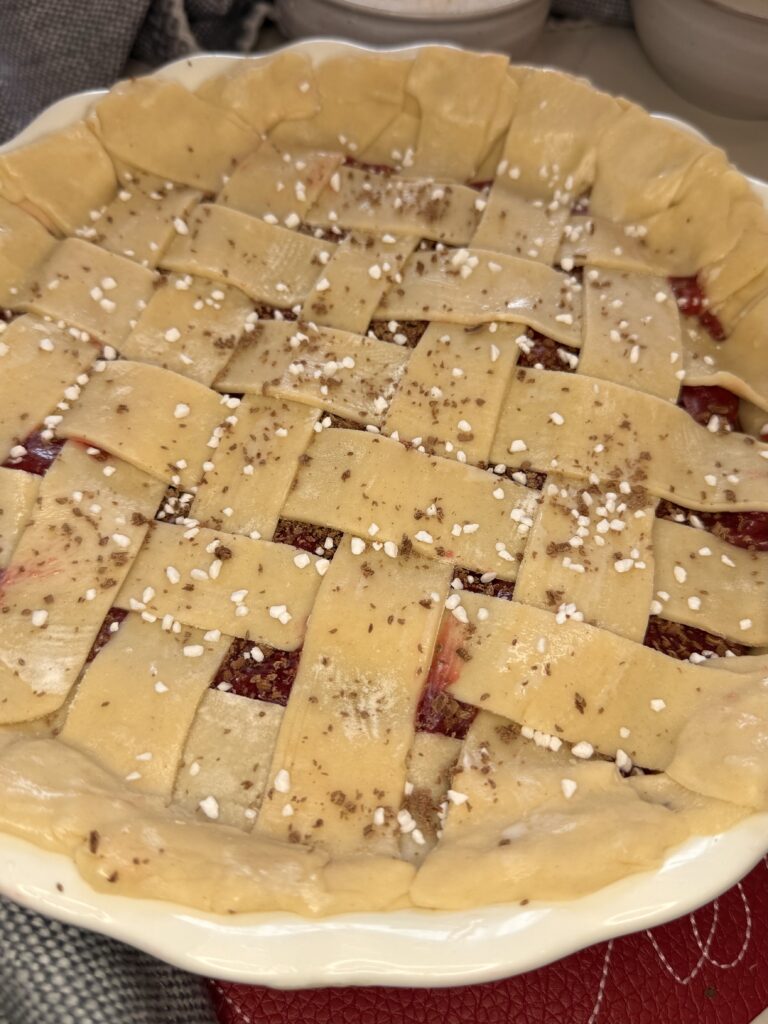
[{"x": 383, "y": 514}]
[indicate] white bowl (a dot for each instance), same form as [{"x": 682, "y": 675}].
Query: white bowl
[
  {"x": 508, "y": 26},
  {"x": 713, "y": 52},
  {"x": 415, "y": 948}
]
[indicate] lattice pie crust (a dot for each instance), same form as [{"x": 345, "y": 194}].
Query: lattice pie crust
[{"x": 350, "y": 473}]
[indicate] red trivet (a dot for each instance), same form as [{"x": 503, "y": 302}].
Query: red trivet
[{"x": 708, "y": 968}]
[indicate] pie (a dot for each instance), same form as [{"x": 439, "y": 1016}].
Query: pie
[{"x": 383, "y": 510}]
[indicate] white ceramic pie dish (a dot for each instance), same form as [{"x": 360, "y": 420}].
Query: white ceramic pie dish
[{"x": 409, "y": 947}]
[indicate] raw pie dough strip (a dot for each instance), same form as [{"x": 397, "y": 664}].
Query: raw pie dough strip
[
  {"x": 431, "y": 761},
  {"x": 722, "y": 751},
  {"x": 90, "y": 289},
  {"x": 60, "y": 178},
  {"x": 579, "y": 536},
  {"x": 253, "y": 470},
  {"x": 353, "y": 281},
  {"x": 472, "y": 286},
  {"x": 529, "y": 823},
  {"x": 223, "y": 582},
  {"x": 136, "y": 701},
  {"x": 348, "y": 374},
  {"x": 705, "y": 582},
  {"x": 270, "y": 264},
  {"x": 265, "y": 92},
  {"x": 453, "y": 387},
  {"x": 31, "y": 350},
  {"x": 377, "y": 203},
  {"x": 456, "y": 125},
  {"x": 191, "y": 326},
  {"x": 632, "y": 332},
  {"x": 580, "y": 683},
  {"x": 381, "y": 491},
  {"x": 597, "y": 430},
  {"x": 547, "y": 161},
  {"x": 358, "y": 96},
  {"x": 24, "y": 243},
  {"x": 140, "y": 222},
  {"x": 349, "y": 724},
  {"x": 161, "y": 127},
  {"x": 278, "y": 187},
  {"x": 18, "y": 491},
  {"x": 607, "y": 245},
  {"x": 158, "y": 421},
  {"x": 223, "y": 769},
  {"x": 86, "y": 529}
]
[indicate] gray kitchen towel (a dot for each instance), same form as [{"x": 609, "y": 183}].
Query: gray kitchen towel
[{"x": 51, "y": 973}]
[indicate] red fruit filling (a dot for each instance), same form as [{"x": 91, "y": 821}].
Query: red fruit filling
[
  {"x": 546, "y": 354},
  {"x": 405, "y": 332},
  {"x": 361, "y": 165},
  {"x": 257, "y": 671},
  {"x": 472, "y": 581},
  {"x": 742, "y": 529},
  {"x": 107, "y": 630},
  {"x": 702, "y": 403},
  {"x": 679, "y": 641},
  {"x": 692, "y": 301},
  {"x": 318, "y": 540},
  {"x": 438, "y": 711},
  {"x": 39, "y": 454}
]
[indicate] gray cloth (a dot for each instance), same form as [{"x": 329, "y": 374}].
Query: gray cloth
[
  {"x": 53, "y": 973},
  {"x": 611, "y": 12}
]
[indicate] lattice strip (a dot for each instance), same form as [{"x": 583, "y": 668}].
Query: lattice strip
[
  {"x": 535, "y": 821},
  {"x": 140, "y": 221},
  {"x": 156, "y": 420},
  {"x": 253, "y": 470},
  {"x": 341, "y": 753},
  {"x": 136, "y": 701},
  {"x": 377, "y": 203},
  {"x": 224, "y": 582},
  {"x": 191, "y": 325},
  {"x": 24, "y": 244},
  {"x": 278, "y": 187},
  {"x": 591, "y": 554},
  {"x": 223, "y": 769},
  {"x": 453, "y": 387},
  {"x": 88, "y": 288},
  {"x": 705, "y": 582},
  {"x": 348, "y": 374},
  {"x": 63, "y": 575},
  {"x": 18, "y": 491},
  {"x": 632, "y": 332},
  {"x": 580, "y": 683},
  {"x": 353, "y": 281},
  {"x": 472, "y": 286},
  {"x": 589, "y": 429},
  {"x": 31, "y": 350},
  {"x": 375, "y": 488},
  {"x": 271, "y": 264}
]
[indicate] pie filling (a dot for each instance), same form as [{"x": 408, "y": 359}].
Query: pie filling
[{"x": 383, "y": 504}]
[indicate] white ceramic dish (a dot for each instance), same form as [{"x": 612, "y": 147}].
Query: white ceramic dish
[
  {"x": 408, "y": 947},
  {"x": 512, "y": 26},
  {"x": 713, "y": 52}
]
